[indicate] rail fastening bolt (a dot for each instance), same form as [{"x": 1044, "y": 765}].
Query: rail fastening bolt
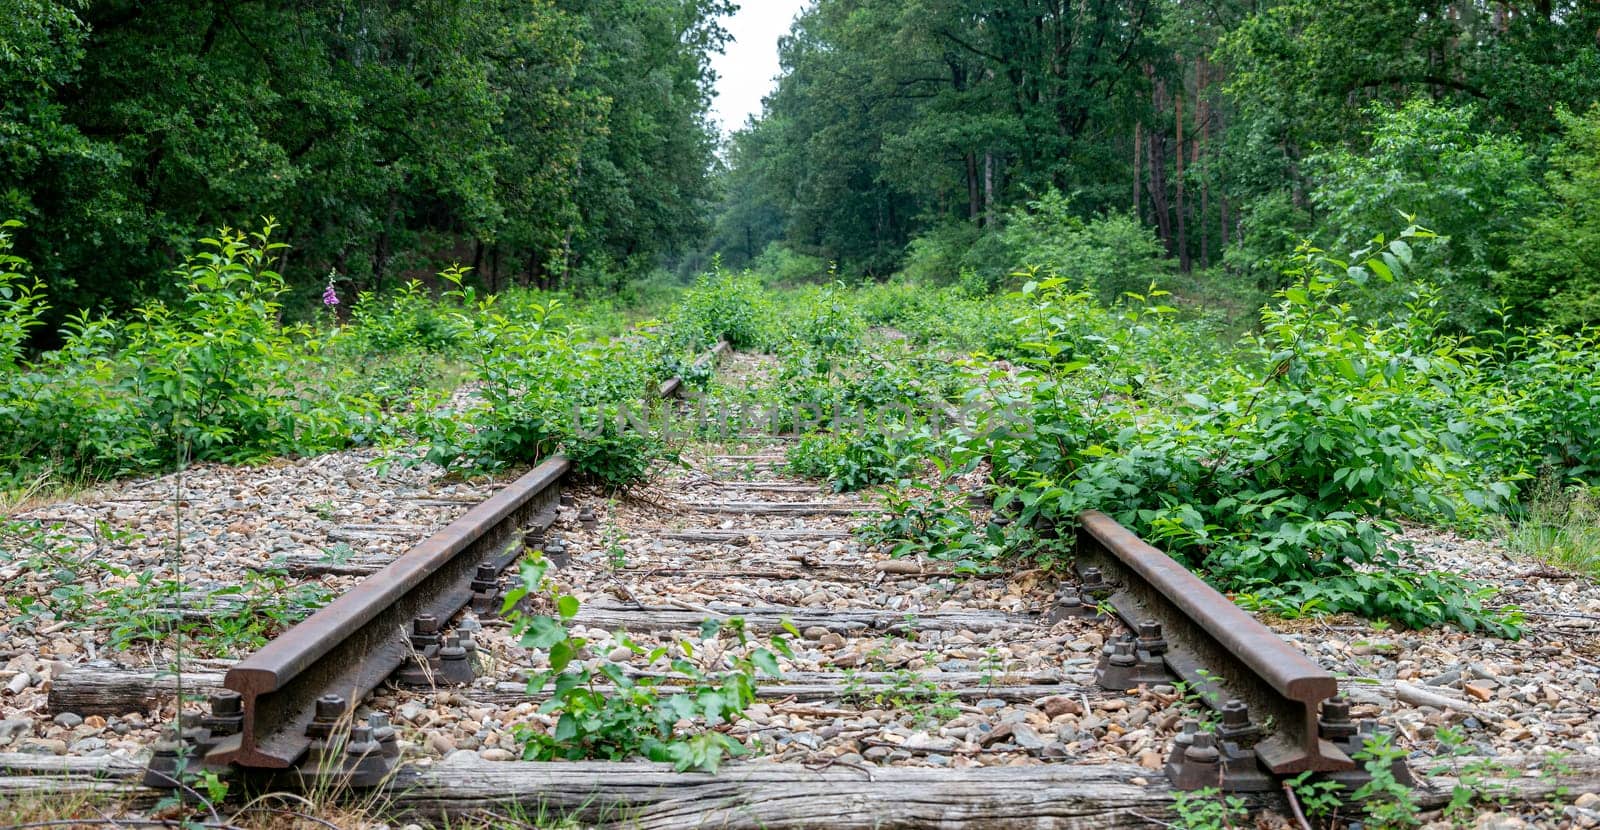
[
  {"x": 1203, "y": 750},
  {"x": 1235, "y": 713},
  {"x": 1335, "y": 723},
  {"x": 1185, "y": 737},
  {"x": 1122, "y": 654},
  {"x": 1150, "y": 638},
  {"x": 227, "y": 702},
  {"x": 330, "y": 708},
  {"x": 361, "y": 742}
]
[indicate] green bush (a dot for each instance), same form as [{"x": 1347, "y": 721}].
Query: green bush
[
  {"x": 1554, "y": 270},
  {"x": 1109, "y": 255},
  {"x": 406, "y": 319},
  {"x": 1429, "y": 161},
  {"x": 1279, "y": 481},
  {"x": 540, "y": 391},
  {"x": 212, "y": 376},
  {"x": 725, "y": 306},
  {"x": 779, "y": 265}
]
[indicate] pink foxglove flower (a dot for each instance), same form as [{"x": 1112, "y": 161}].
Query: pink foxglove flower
[{"x": 329, "y": 297}]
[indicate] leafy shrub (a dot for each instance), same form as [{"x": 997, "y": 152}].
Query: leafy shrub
[
  {"x": 725, "y": 306},
  {"x": 1554, "y": 270},
  {"x": 780, "y": 265},
  {"x": 939, "y": 526},
  {"x": 1280, "y": 484},
  {"x": 1428, "y": 160},
  {"x": 1109, "y": 255},
  {"x": 639, "y": 715},
  {"x": 213, "y": 376},
  {"x": 827, "y": 320},
  {"x": 860, "y": 458},
  {"x": 540, "y": 391},
  {"x": 406, "y": 319}
]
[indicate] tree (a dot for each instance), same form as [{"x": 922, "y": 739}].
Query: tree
[
  {"x": 1432, "y": 162},
  {"x": 1554, "y": 272}
]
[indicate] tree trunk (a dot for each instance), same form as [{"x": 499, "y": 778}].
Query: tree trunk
[
  {"x": 380, "y": 252},
  {"x": 494, "y": 265},
  {"x": 1138, "y": 207},
  {"x": 1202, "y": 130},
  {"x": 974, "y": 195},
  {"x": 1156, "y": 157},
  {"x": 1184, "y": 263},
  {"x": 988, "y": 189}
]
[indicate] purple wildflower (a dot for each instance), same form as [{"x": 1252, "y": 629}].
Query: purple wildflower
[{"x": 329, "y": 297}]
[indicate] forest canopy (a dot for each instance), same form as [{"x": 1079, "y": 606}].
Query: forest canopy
[
  {"x": 548, "y": 141},
  {"x": 912, "y": 134}
]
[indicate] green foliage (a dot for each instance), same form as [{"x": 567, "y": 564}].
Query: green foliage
[
  {"x": 1209, "y": 809},
  {"x": 539, "y": 391},
  {"x": 556, "y": 140},
  {"x": 1280, "y": 480},
  {"x": 1432, "y": 161},
  {"x": 403, "y": 320},
  {"x": 893, "y": 119},
  {"x": 724, "y": 306},
  {"x": 633, "y": 716},
  {"x": 858, "y": 459},
  {"x": 1388, "y": 803},
  {"x": 958, "y": 252},
  {"x": 213, "y": 375},
  {"x": 1559, "y": 527},
  {"x": 1109, "y": 255},
  {"x": 1554, "y": 273},
  {"x": 937, "y": 525},
  {"x": 779, "y": 265}
]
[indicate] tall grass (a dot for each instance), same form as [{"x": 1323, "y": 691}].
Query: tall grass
[{"x": 1560, "y": 528}]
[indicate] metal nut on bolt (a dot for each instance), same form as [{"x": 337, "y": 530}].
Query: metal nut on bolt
[
  {"x": 1335, "y": 723},
  {"x": 424, "y": 632},
  {"x": 1150, "y": 639},
  {"x": 227, "y": 714},
  {"x": 329, "y": 709}
]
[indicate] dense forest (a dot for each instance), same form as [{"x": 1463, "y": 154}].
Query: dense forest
[
  {"x": 933, "y": 135},
  {"x": 546, "y": 142},
  {"x": 565, "y": 143}
]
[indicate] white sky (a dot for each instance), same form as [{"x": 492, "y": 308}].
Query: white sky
[{"x": 746, "y": 70}]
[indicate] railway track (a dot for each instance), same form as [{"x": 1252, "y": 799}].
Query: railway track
[{"x": 971, "y": 687}]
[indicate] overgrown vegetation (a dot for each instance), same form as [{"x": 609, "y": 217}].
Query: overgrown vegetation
[
  {"x": 708, "y": 686},
  {"x": 1277, "y": 467}
]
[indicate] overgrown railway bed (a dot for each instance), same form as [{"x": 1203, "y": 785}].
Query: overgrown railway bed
[{"x": 914, "y": 696}]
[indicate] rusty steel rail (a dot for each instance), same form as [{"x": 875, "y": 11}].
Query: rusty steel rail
[
  {"x": 1216, "y": 647},
  {"x": 348, "y": 647}
]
